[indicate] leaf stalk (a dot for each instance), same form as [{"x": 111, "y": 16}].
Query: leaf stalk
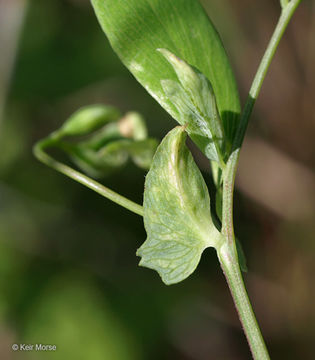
[{"x": 41, "y": 155}]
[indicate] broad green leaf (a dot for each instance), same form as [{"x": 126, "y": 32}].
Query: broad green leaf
[
  {"x": 136, "y": 28},
  {"x": 176, "y": 212},
  {"x": 88, "y": 119},
  {"x": 194, "y": 99}
]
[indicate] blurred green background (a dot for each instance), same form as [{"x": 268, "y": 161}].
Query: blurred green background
[{"x": 68, "y": 270}]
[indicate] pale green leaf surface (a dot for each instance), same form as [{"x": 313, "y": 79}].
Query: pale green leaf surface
[
  {"x": 195, "y": 101},
  {"x": 136, "y": 28},
  {"x": 176, "y": 212}
]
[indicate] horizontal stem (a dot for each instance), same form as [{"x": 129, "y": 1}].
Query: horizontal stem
[{"x": 83, "y": 179}]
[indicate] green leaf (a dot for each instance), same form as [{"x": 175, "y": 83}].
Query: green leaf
[
  {"x": 88, "y": 119},
  {"x": 131, "y": 126},
  {"x": 119, "y": 151},
  {"x": 142, "y": 152},
  {"x": 136, "y": 28},
  {"x": 195, "y": 101},
  {"x": 97, "y": 140},
  {"x": 176, "y": 212},
  {"x": 109, "y": 140},
  {"x": 92, "y": 163},
  {"x": 216, "y": 174},
  {"x": 112, "y": 156}
]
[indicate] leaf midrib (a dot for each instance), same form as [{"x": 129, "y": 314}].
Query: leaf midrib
[{"x": 180, "y": 186}]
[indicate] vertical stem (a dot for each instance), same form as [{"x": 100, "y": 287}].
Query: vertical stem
[
  {"x": 227, "y": 253},
  {"x": 228, "y": 258},
  {"x": 286, "y": 15},
  {"x": 229, "y": 263},
  {"x": 227, "y": 198}
]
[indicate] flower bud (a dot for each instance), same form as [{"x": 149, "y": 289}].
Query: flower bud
[
  {"x": 132, "y": 125},
  {"x": 88, "y": 119}
]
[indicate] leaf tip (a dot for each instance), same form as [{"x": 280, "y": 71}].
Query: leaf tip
[{"x": 170, "y": 57}]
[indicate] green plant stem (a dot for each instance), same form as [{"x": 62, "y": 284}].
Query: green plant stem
[
  {"x": 227, "y": 254},
  {"x": 232, "y": 272},
  {"x": 286, "y": 15},
  {"x": 39, "y": 152}
]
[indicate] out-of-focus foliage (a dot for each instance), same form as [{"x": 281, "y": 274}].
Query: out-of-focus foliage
[
  {"x": 100, "y": 141},
  {"x": 72, "y": 315},
  {"x": 67, "y": 256}
]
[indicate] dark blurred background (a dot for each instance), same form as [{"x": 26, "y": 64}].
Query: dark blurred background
[{"x": 68, "y": 270}]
